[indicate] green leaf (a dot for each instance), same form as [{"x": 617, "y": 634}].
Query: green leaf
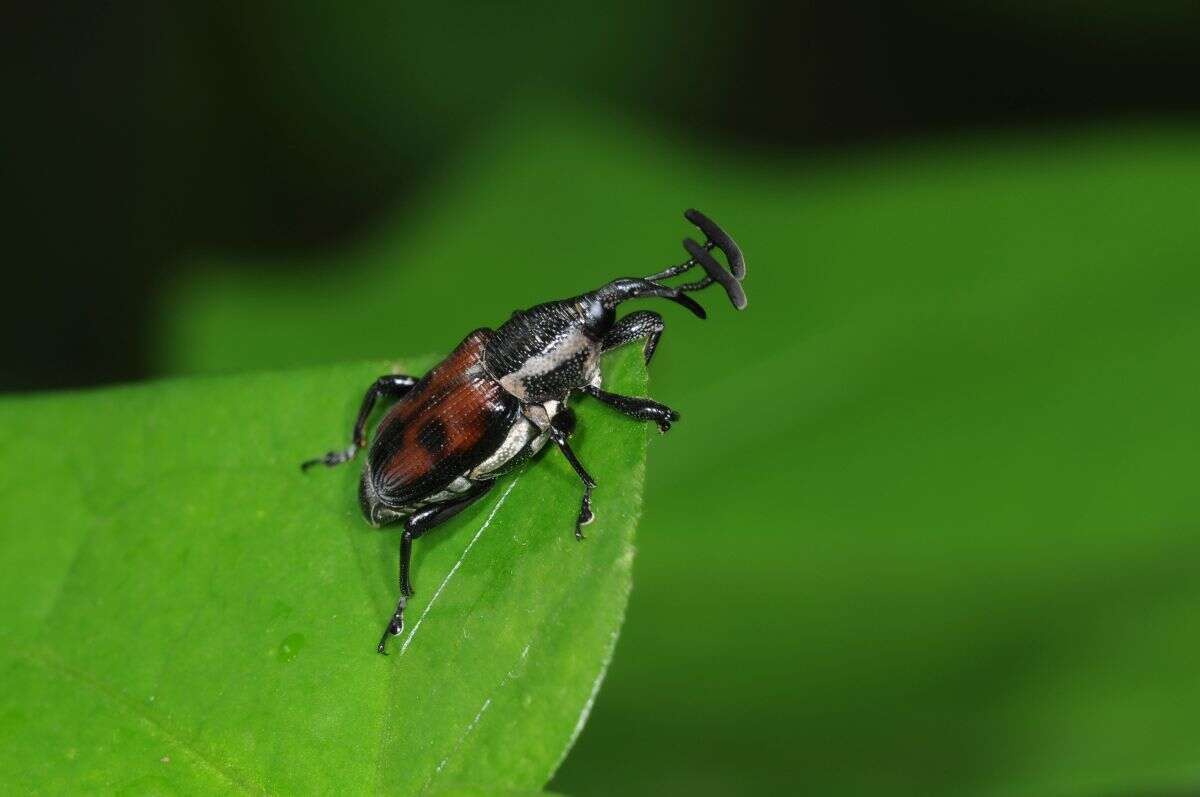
[
  {"x": 185, "y": 611},
  {"x": 936, "y": 485}
]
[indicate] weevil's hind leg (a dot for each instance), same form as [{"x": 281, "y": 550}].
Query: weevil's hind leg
[
  {"x": 642, "y": 324},
  {"x": 390, "y": 386},
  {"x": 561, "y": 426},
  {"x": 642, "y": 409},
  {"x": 417, "y": 524}
]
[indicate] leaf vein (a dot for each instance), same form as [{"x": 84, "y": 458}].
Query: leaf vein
[
  {"x": 383, "y": 738},
  {"x": 408, "y": 640},
  {"x": 47, "y": 661}
]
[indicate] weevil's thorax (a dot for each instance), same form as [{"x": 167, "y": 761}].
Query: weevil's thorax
[{"x": 541, "y": 353}]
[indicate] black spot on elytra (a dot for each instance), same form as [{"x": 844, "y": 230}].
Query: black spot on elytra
[{"x": 433, "y": 437}]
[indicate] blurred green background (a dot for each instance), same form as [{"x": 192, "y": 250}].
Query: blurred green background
[{"x": 929, "y": 522}]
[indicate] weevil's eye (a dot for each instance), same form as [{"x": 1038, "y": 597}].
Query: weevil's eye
[
  {"x": 595, "y": 317},
  {"x": 564, "y": 421}
]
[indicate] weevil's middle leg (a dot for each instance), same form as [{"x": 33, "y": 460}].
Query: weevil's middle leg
[
  {"x": 642, "y": 409},
  {"x": 642, "y": 324},
  {"x": 391, "y": 386},
  {"x": 560, "y": 427}
]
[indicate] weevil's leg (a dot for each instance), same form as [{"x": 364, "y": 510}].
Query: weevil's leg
[
  {"x": 642, "y": 324},
  {"x": 560, "y": 427},
  {"x": 642, "y": 409},
  {"x": 417, "y": 524},
  {"x": 425, "y": 519},
  {"x": 391, "y": 386}
]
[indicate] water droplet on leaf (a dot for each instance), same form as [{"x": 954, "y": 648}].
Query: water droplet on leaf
[{"x": 290, "y": 647}]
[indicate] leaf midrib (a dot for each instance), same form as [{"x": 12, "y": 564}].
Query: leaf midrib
[{"x": 390, "y": 709}]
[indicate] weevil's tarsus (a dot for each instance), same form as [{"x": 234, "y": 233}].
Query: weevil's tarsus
[
  {"x": 640, "y": 409},
  {"x": 395, "y": 625},
  {"x": 332, "y": 459}
]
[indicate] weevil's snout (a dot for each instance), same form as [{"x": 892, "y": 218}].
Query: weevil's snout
[{"x": 626, "y": 288}]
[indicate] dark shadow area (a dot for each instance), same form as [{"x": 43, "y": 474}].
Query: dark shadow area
[{"x": 141, "y": 133}]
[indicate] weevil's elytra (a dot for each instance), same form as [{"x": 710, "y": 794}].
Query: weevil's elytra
[{"x": 501, "y": 395}]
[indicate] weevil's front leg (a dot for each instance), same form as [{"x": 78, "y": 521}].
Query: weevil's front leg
[
  {"x": 391, "y": 386},
  {"x": 642, "y": 324},
  {"x": 642, "y": 409},
  {"x": 561, "y": 427},
  {"x": 417, "y": 524}
]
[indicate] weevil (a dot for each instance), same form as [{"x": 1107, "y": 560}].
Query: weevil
[{"x": 502, "y": 395}]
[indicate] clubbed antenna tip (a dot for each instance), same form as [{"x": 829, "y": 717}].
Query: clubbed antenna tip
[{"x": 701, "y": 255}]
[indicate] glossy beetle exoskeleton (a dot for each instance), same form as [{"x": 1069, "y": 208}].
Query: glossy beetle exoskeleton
[{"x": 501, "y": 395}]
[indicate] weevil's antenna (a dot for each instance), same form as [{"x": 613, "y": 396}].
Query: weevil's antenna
[{"x": 701, "y": 255}]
